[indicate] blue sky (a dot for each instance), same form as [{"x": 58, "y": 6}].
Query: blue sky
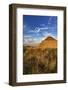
[{"x": 37, "y": 28}]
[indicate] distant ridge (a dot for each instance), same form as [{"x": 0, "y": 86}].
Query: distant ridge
[
  {"x": 50, "y": 38},
  {"x": 49, "y": 42}
]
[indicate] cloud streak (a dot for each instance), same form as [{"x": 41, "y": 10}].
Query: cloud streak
[{"x": 38, "y": 29}]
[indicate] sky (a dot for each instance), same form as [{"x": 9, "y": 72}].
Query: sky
[{"x": 37, "y": 28}]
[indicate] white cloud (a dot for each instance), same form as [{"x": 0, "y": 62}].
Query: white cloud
[
  {"x": 44, "y": 28},
  {"x": 27, "y": 36},
  {"x": 45, "y": 34},
  {"x": 49, "y": 21},
  {"x": 31, "y": 41},
  {"x": 42, "y": 24},
  {"x": 27, "y": 41},
  {"x": 38, "y": 29},
  {"x": 24, "y": 26}
]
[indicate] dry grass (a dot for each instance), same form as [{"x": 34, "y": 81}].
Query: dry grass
[{"x": 38, "y": 61}]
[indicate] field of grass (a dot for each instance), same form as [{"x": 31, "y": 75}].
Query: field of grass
[{"x": 39, "y": 61}]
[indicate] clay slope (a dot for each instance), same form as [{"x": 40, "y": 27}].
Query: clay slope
[{"x": 49, "y": 42}]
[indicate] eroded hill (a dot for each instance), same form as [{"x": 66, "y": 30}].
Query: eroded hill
[{"x": 42, "y": 58}]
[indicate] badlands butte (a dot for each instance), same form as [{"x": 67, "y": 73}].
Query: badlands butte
[{"x": 42, "y": 58}]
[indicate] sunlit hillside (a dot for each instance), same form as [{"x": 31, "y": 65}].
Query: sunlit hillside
[{"x": 41, "y": 58}]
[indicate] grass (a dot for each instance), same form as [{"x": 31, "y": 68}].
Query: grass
[{"x": 38, "y": 61}]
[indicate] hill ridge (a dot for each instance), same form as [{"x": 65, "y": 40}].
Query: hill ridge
[{"x": 48, "y": 42}]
